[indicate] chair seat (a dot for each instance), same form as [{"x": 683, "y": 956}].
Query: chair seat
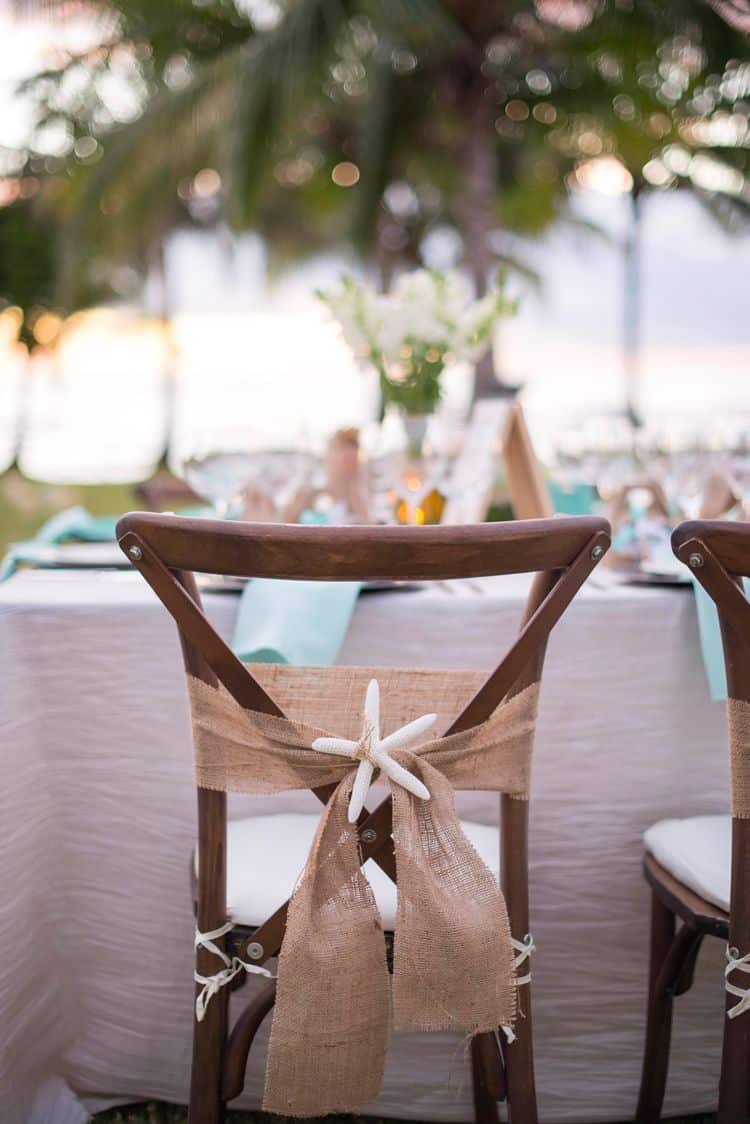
[
  {"x": 697, "y": 852},
  {"x": 266, "y": 855}
]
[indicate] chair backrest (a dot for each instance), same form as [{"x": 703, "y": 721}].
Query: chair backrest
[
  {"x": 168, "y": 549},
  {"x": 718, "y": 554}
]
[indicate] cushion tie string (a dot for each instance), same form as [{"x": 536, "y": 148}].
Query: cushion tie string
[
  {"x": 524, "y": 949},
  {"x": 213, "y": 984},
  {"x": 737, "y": 963}
]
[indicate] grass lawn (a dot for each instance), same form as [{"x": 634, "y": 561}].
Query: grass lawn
[
  {"x": 26, "y": 504},
  {"x": 154, "y": 1113}
]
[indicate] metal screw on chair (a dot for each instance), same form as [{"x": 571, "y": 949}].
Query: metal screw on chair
[
  {"x": 369, "y": 835},
  {"x": 255, "y": 950},
  {"x": 135, "y": 553},
  {"x": 695, "y": 561},
  {"x": 597, "y": 552}
]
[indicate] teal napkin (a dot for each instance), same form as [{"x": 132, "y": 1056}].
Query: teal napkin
[
  {"x": 709, "y": 631},
  {"x": 74, "y": 524},
  {"x": 295, "y": 622},
  {"x": 78, "y": 525},
  {"x": 573, "y": 499}
]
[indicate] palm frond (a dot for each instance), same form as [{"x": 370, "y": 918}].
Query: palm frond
[
  {"x": 237, "y": 106},
  {"x": 128, "y": 196},
  {"x": 375, "y": 142},
  {"x": 578, "y": 224},
  {"x": 731, "y": 213}
]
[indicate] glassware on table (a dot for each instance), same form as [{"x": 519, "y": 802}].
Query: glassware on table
[
  {"x": 613, "y": 474},
  {"x": 281, "y": 483},
  {"x": 382, "y": 474},
  {"x": 739, "y": 476},
  {"x": 686, "y": 481},
  {"x": 220, "y": 478}
]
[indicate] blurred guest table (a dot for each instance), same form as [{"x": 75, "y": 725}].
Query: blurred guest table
[{"x": 98, "y": 821}]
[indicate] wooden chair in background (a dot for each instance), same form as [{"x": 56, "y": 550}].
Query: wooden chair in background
[
  {"x": 168, "y": 549},
  {"x": 687, "y": 861},
  {"x": 165, "y": 491}
]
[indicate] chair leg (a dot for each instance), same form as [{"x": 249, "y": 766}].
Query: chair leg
[
  {"x": 734, "y": 1088},
  {"x": 659, "y": 1017},
  {"x": 206, "y": 1103},
  {"x": 485, "y": 1102},
  {"x": 519, "y": 1068}
]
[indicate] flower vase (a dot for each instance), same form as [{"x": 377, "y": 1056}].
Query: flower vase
[{"x": 415, "y": 428}]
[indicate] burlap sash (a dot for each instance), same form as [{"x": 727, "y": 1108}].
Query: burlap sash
[
  {"x": 738, "y": 718},
  {"x": 453, "y": 958}
]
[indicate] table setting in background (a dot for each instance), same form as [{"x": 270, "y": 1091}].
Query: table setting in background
[
  {"x": 646, "y": 487},
  {"x": 377, "y": 476},
  {"x": 644, "y": 492},
  {"x": 646, "y": 483}
]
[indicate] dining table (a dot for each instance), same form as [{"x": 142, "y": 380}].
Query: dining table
[{"x": 98, "y": 823}]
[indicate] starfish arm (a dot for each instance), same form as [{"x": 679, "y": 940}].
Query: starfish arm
[
  {"x": 372, "y": 708},
  {"x": 360, "y": 788},
  {"x": 407, "y": 733},
  {"x": 342, "y": 747},
  {"x": 402, "y": 776}
]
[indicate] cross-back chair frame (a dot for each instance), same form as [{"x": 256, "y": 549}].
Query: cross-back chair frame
[
  {"x": 168, "y": 551},
  {"x": 718, "y": 553}
]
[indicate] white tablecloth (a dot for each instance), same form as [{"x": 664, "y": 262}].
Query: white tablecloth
[{"x": 97, "y": 820}]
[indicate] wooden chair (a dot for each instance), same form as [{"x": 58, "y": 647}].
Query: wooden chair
[
  {"x": 166, "y": 549},
  {"x": 709, "y": 902},
  {"x": 162, "y": 490}
]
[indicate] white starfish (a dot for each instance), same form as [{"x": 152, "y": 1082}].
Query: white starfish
[{"x": 373, "y": 753}]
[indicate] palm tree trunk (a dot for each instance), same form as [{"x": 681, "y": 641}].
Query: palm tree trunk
[
  {"x": 631, "y": 318},
  {"x": 476, "y": 215},
  {"x": 169, "y": 372},
  {"x": 23, "y": 410}
]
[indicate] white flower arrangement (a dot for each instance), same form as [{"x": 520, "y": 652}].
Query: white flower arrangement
[{"x": 427, "y": 320}]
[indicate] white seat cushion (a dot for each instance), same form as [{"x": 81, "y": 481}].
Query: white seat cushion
[
  {"x": 266, "y": 855},
  {"x": 697, "y": 852}
]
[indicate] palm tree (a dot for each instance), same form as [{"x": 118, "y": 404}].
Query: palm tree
[
  {"x": 376, "y": 121},
  {"x": 373, "y": 120},
  {"x": 29, "y": 271},
  {"x": 27, "y": 282},
  {"x": 663, "y": 104}
]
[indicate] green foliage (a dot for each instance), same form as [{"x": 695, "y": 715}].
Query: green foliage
[
  {"x": 26, "y": 504},
  {"x": 27, "y": 262},
  {"x": 450, "y": 113},
  {"x": 418, "y": 389}
]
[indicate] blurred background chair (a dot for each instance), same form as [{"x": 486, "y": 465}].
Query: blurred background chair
[{"x": 164, "y": 492}]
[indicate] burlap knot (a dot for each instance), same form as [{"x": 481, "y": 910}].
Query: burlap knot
[{"x": 453, "y": 958}]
